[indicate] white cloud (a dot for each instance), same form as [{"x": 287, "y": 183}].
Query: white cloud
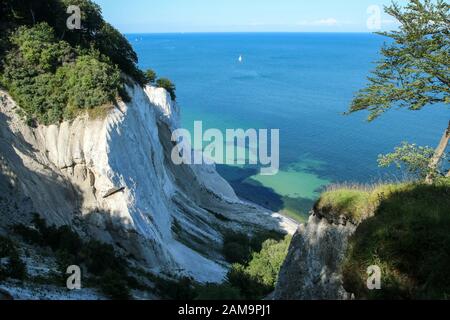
[
  {"x": 326, "y": 22},
  {"x": 322, "y": 22}
]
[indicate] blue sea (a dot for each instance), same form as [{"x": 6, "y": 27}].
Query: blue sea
[{"x": 300, "y": 83}]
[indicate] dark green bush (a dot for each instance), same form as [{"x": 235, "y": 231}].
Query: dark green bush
[
  {"x": 217, "y": 292},
  {"x": 236, "y": 247},
  {"x": 100, "y": 257},
  {"x": 168, "y": 85},
  {"x": 114, "y": 285},
  {"x": 29, "y": 235},
  {"x": 150, "y": 76},
  {"x": 178, "y": 289},
  {"x": 14, "y": 267},
  {"x": 249, "y": 286},
  {"x": 53, "y": 72},
  {"x": 256, "y": 261},
  {"x": 51, "y": 81},
  {"x": 95, "y": 32},
  {"x": 258, "y": 277}
]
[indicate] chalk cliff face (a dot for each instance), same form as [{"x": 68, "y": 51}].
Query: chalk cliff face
[
  {"x": 169, "y": 218},
  {"x": 312, "y": 269}
]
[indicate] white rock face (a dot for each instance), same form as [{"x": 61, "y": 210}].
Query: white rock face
[
  {"x": 170, "y": 218},
  {"x": 312, "y": 269}
]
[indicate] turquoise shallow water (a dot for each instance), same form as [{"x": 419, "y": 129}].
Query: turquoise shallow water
[{"x": 299, "y": 83}]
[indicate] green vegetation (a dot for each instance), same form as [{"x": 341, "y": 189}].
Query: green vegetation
[
  {"x": 258, "y": 277},
  {"x": 413, "y": 159},
  {"x": 114, "y": 285},
  {"x": 54, "y": 73},
  {"x": 150, "y": 76},
  {"x": 176, "y": 289},
  {"x": 256, "y": 262},
  {"x": 406, "y": 235},
  {"x": 217, "y": 292},
  {"x": 412, "y": 73},
  {"x": 51, "y": 81},
  {"x": 108, "y": 270},
  {"x": 238, "y": 247},
  {"x": 351, "y": 203},
  {"x": 168, "y": 85},
  {"x": 253, "y": 278},
  {"x": 14, "y": 267},
  {"x": 357, "y": 202}
]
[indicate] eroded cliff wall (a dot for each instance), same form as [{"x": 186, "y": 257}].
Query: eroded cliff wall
[
  {"x": 312, "y": 269},
  {"x": 170, "y": 218}
]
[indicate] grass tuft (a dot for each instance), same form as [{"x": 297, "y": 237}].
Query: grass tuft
[{"x": 407, "y": 236}]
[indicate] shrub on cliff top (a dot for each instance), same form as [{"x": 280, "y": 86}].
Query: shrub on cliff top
[
  {"x": 168, "y": 85},
  {"x": 52, "y": 72},
  {"x": 52, "y": 81},
  {"x": 150, "y": 76}
]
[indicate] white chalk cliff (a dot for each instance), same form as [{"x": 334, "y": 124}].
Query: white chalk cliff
[
  {"x": 169, "y": 218},
  {"x": 312, "y": 269}
]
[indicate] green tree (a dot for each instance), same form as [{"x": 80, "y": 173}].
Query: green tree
[
  {"x": 168, "y": 85},
  {"x": 236, "y": 247},
  {"x": 415, "y": 160},
  {"x": 150, "y": 76},
  {"x": 94, "y": 33},
  {"x": 415, "y": 67},
  {"x": 266, "y": 264},
  {"x": 256, "y": 278}
]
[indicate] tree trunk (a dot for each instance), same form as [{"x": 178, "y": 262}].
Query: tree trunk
[{"x": 439, "y": 153}]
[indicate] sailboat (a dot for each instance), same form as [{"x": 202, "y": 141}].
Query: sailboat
[{"x": 240, "y": 58}]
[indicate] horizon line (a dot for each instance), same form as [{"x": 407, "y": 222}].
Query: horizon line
[{"x": 251, "y": 32}]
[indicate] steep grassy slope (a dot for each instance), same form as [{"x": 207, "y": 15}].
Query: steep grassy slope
[{"x": 407, "y": 235}]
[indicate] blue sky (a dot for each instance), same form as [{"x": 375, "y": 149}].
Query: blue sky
[{"x": 242, "y": 15}]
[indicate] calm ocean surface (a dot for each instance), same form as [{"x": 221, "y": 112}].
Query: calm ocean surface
[{"x": 299, "y": 83}]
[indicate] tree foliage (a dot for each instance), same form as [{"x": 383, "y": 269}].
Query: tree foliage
[
  {"x": 168, "y": 85},
  {"x": 53, "y": 72},
  {"x": 415, "y": 67},
  {"x": 51, "y": 81},
  {"x": 150, "y": 76},
  {"x": 412, "y": 159},
  {"x": 256, "y": 278}
]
